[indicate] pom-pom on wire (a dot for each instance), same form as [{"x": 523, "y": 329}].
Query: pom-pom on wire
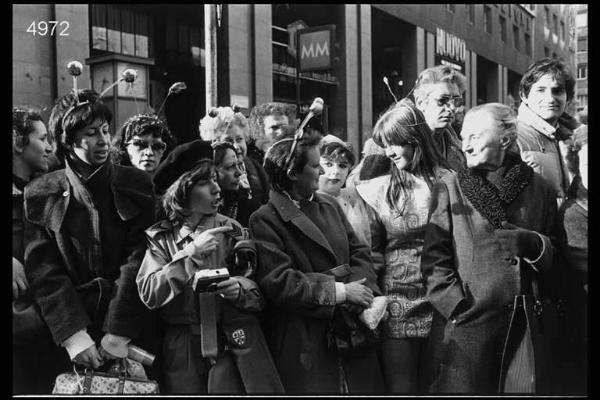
[
  {"x": 75, "y": 68},
  {"x": 129, "y": 75},
  {"x": 213, "y": 112}
]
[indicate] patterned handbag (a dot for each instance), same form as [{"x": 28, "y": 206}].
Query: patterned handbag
[{"x": 93, "y": 382}]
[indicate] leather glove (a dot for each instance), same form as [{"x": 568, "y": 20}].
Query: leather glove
[{"x": 518, "y": 241}]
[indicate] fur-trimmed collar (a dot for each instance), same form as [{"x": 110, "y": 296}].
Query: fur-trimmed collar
[{"x": 491, "y": 201}]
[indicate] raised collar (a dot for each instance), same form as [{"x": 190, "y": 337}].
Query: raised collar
[
  {"x": 558, "y": 132},
  {"x": 297, "y": 202},
  {"x": 289, "y": 212},
  {"x": 287, "y": 207}
]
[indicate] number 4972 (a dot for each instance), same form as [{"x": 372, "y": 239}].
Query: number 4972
[{"x": 44, "y": 28}]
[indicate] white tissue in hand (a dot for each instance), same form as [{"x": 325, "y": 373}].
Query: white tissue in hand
[
  {"x": 373, "y": 315},
  {"x": 244, "y": 183}
]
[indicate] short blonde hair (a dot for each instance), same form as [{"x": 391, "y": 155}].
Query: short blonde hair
[{"x": 218, "y": 120}]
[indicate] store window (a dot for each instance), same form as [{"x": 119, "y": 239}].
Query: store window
[
  {"x": 502, "y": 28},
  {"x": 582, "y": 71},
  {"x": 516, "y": 37},
  {"x": 487, "y": 19},
  {"x": 116, "y": 29}
]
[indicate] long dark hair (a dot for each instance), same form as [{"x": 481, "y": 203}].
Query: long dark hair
[{"x": 403, "y": 124}]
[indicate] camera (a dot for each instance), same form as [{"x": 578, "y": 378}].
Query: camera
[{"x": 206, "y": 280}]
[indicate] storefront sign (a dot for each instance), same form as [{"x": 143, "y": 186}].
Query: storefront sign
[
  {"x": 316, "y": 48},
  {"x": 451, "y": 49}
]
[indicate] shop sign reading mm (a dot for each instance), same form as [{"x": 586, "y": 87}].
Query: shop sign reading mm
[{"x": 316, "y": 48}]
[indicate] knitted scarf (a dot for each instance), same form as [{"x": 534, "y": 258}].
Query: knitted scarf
[{"x": 489, "y": 200}]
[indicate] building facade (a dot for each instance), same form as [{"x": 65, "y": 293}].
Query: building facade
[
  {"x": 492, "y": 44},
  {"x": 582, "y": 56}
]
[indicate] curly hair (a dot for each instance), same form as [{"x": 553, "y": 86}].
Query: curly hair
[
  {"x": 23, "y": 125},
  {"x": 73, "y": 112},
  {"x": 558, "y": 69},
  {"x": 139, "y": 125},
  {"x": 259, "y": 112},
  {"x": 218, "y": 120},
  {"x": 174, "y": 201},
  {"x": 438, "y": 74},
  {"x": 277, "y": 154}
]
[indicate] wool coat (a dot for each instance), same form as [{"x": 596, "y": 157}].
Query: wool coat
[
  {"x": 293, "y": 257},
  {"x": 464, "y": 262},
  {"x": 72, "y": 285}
]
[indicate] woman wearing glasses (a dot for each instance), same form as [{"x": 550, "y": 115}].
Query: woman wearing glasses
[
  {"x": 143, "y": 142},
  {"x": 300, "y": 236},
  {"x": 438, "y": 94},
  {"x": 84, "y": 230},
  {"x": 398, "y": 213}
]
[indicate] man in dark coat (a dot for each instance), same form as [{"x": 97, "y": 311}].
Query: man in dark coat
[
  {"x": 489, "y": 227},
  {"x": 84, "y": 231},
  {"x": 300, "y": 236}
]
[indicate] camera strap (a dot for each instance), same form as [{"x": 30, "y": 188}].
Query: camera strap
[{"x": 208, "y": 326}]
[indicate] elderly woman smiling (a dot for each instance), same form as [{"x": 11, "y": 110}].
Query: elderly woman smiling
[{"x": 488, "y": 233}]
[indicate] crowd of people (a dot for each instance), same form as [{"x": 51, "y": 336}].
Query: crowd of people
[{"x": 407, "y": 271}]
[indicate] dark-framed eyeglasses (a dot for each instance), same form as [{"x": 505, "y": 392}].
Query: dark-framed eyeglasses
[
  {"x": 457, "y": 101},
  {"x": 143, "y": 145}
]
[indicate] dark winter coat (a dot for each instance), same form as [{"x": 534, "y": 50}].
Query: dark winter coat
[
  {"x": 257, "y": 177},
  {"x": 72, "y": 285},
  {"x": 293, "y": 256},
  {"x": 463, "y": 260}
]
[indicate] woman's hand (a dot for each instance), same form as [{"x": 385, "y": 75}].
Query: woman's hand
[
  {"x": 90, "y": 357},
  {"x": 357, "y": 293},
  {"x": 229, "y": 289},
  {"x": 206, "y": 242},
  {"x": 19, "y": 281}
]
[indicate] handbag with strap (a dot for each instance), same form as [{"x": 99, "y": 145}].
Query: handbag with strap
[
  {"x": 94, "y": 382},
  {"x": 529, "y": 363},
  {"x": 347, "y": 335}
]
